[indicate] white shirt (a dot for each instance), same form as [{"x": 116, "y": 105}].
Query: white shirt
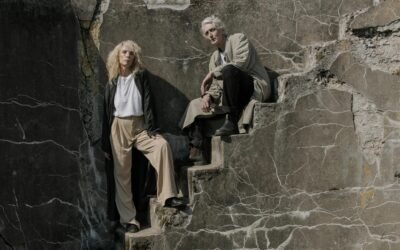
[
  {"x": 127, "y": 100},
  {"x": 222, "y": 57}
]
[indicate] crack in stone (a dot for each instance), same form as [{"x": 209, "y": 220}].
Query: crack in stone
[
  {"x": 51, "y": 201},
  {"x": 177, "y": 59},
  {"x": 19, "y": 100},
  {"x": 7, "y": 243},
  {"x": 168, "y": 4},
  {"x": 72, "y": 152},
  {"x": 21, "y": 129},
  {"x": 19, "y": 227}
]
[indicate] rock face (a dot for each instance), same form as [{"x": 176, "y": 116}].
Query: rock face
[
  {"x": 52, "y": 186},
  {"x": 319, "y": 170}
]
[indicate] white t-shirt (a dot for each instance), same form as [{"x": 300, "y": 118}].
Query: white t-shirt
[
  {"x": 127, "y": 100},
  {"x": 222, "y": 57}
]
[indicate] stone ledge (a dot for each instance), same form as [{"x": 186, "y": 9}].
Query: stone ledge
[
  {"x": 197, "y": 173},
  {"x": 143, "y": 239}
]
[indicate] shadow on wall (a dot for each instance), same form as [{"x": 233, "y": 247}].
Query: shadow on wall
[
  {"x": 273, "y": 77},
  {"x": 170, "y": 104}
]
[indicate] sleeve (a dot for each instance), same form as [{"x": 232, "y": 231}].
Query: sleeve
[
  {"x": 215, "y": 90},
  {"x": 105, "y": 137},
  {"x": 148, "y": 108},
  {"x": 240, "y": 54}
]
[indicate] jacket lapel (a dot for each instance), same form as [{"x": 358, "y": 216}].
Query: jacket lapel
[
  {"x": 228, "y": 50},
  {"x": 138, "y": 82}
]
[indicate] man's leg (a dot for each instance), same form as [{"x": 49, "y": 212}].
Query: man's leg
[
  {"x": 238, "y": 87},
  {"x": 195, "y": 135},
  {"x": 192, "y": 123}
]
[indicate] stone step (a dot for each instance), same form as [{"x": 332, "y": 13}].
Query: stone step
[
  {"x": 196, "y": 173},
  {"x": 190, "y": 177},
  {"x": 161, "y": 219},
  {"x": 264, "y": 114},
  {"x": 144, "y": 239}
]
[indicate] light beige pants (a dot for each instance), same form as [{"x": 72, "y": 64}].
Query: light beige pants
[{"x": 127, "y": 133}]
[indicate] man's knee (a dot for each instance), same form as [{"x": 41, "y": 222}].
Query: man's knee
[
  {"x": 195, "y": 102},
  {"x": 230, "y": 71}
]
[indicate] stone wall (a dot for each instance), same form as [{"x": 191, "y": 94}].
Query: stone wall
[
  {"x": 52, "y": 193},
  {"x": 319, "y": 171}
]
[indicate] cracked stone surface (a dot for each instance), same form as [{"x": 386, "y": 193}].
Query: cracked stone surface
[
  {"x": 286, "y": 35},
  {"x": 52, "y": 191},
  {"x": 319, "y": 170},
  {"x": 387, "y": 12}
]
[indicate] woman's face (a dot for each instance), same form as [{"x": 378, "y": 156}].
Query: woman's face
[{"x": 126, "y": 56}]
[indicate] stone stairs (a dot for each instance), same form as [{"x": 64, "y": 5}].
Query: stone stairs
[{"x": 191, "y": 180}]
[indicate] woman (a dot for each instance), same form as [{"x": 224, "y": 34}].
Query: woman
[{"x": 128, "y": 122}]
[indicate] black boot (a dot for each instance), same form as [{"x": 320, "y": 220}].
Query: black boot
[
  {"x": 196, "y": 154},
  {"x": 230, "y": 126}
]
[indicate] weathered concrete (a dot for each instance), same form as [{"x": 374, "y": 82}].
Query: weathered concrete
[
  {"x": 285, "y": 35},
  {"x": 318, "y": 171},
  {"x": 52, "y": 187}
]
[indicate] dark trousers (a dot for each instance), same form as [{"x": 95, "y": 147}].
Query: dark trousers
[
  {"x": 195, "y": 134},
  {"x": 238, "y": 87}
]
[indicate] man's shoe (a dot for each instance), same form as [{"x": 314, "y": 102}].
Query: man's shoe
[
  {"x": 229, "y": 128},
  {"x": 174, "y": 202},
  {"x": 132, "y": 228},
  {"x": 195, "y": 154}
]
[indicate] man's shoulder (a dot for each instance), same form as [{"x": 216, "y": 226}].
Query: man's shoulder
[
  {"x": 215, "y": 55},
  {"x": 236, "y": 36}
]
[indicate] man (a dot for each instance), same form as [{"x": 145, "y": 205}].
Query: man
[{"x": 236, "y": 76}]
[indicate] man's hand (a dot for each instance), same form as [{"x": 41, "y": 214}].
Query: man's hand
[
  {"x": 205, "y": 103},
  {"x": 205, "y": 84}
]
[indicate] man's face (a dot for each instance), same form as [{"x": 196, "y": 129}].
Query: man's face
[
  {"x": 213, "y": 35},
  {"x": 126, "y": 56}
]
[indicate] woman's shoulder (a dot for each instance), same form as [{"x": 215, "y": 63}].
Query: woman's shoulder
[{"x": 142, "y": 73}]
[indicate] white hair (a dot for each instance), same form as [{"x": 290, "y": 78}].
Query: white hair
[{"x": 213, "y": 20}]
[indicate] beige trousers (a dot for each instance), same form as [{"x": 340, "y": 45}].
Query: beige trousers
[{"x": 125, "y": 134}]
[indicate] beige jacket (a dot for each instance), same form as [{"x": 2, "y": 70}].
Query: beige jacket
[{"x": 240, "y": 53}]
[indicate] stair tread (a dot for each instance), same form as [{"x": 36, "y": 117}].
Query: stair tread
[{"x": 147, "y": 232}]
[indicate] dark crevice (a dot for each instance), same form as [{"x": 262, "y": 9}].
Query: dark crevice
[
  {"x": 324, "y": 74},
  {"x": 371, "y": 32},
  {"x": 8, "y": 244},
  {"x": 96, "y": 12}
]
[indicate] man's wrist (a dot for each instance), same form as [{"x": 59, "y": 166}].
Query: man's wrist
[{"x": 202, "y": 95}]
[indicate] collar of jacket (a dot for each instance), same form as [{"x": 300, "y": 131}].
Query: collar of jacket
[{"x": 114, "y": 81}]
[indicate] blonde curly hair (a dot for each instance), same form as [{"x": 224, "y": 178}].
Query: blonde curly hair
[{"x": 113, "y": 66}]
